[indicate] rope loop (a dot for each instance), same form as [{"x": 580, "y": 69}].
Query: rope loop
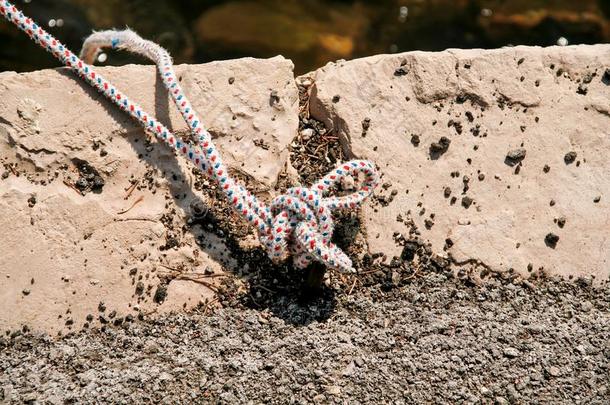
[
  {"x": 303, "y": 217},
  {"x": 297, "y": 223}
]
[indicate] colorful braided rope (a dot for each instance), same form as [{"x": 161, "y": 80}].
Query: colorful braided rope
[{"x": 299, "y": 222}]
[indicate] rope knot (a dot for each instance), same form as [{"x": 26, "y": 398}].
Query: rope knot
[
  {"x": 302, "y": 224},
  {"x": 299, "y": 222}
]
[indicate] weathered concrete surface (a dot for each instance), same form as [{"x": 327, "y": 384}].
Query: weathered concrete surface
[
  {"x": 548, "y": 101},
  {"x": 63, "y": 253}
]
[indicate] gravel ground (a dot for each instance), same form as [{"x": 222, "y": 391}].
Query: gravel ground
[{"x": 429, "y": 337}]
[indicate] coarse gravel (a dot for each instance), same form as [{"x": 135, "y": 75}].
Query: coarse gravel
[{"x": 429, "y": 338}]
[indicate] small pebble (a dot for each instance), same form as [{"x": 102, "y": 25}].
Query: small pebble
[
  {"x": 570, "y": 157},
  {"x": 516, "y": 155},
  {"x": 551, "y": 239},
  {"x": 467, "y": 202}
]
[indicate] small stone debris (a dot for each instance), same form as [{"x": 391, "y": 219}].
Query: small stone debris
[
  {"x": 511, "y": 352},
  {"x": 139, "y": 288},
  {"x": 455, "y": 124},
  {"x": 25, "y": 291},
  {"x": 597, "y": 199},
  {"x": 261, "y": 143},
  {"x": 467, "y": 202},
  {"x": 336, "y": 98},
  {"x": 561, "y": 221},
  {"x": 82, "y": 184},
  {"x": 90, "y": 179},
  {"x": 32, "y": 201},
  {"x": 582, "y": 89},
  {"x": 515, "y": 156},
  {"x": 546, "y": 168},
  {"x": 570, "y": 157},
  {"x": 231, "y": 80},
  {"x": 551, "y": 240},
  {"x": 415, "y": 140},
  {"x": 469, "y": 116},
  {"x": 440, "y": 147},
  {"x": 447, "y": 192},
  {"x": 198, "y": 209},
  {"x": 366, "y": 124},
  {"x": 308, "y": 133},
  {"x": 554, "y": 371},
  {"x": 160, "y": 294}
]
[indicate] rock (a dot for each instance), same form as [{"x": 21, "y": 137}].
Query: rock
[
  {"x": 515, "y": 156},
  {"x": 586, "y": 306},
  {"x": 52, "y": 129},
  {"x": 551, "y": 239},
  {"x": 307, "y": 133},
  {"x": 440, "y": 147},
  {"x": 511, "y": 352},
  {"x": 570, "y": 157},
  {"x": 501, "y": 401},
  {"x": 151, "y": 347},
  {"x": 554, "y": 371},
  {"x": 160, "y": 294},
  {"x": 319, "y": 399},
  {"x": 483, "y": 91}
]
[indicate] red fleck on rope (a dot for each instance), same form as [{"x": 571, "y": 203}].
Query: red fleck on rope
[{"x": 299, "y": 222}]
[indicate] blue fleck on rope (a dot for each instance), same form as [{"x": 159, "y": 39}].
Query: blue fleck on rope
[{"x": 298, "y": 222}]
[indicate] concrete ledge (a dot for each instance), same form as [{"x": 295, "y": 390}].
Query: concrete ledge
[
  {"x": 64, "y": 252},
  {"x": 443, "y": 128},
  {"x": 497, "y": 158}
]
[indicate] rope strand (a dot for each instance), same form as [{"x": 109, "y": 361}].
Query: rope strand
[{"x": 299, "y": 222}]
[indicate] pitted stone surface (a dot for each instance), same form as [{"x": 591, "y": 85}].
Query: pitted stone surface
[
  {"x": 477, "y": 206},
  {"x": 63, "y": 252}
]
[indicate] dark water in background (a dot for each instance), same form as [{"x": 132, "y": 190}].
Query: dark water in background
[{"x": 310, "y": 32}]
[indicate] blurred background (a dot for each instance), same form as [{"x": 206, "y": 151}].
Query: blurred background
[{"x": 310, "y": 32}]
